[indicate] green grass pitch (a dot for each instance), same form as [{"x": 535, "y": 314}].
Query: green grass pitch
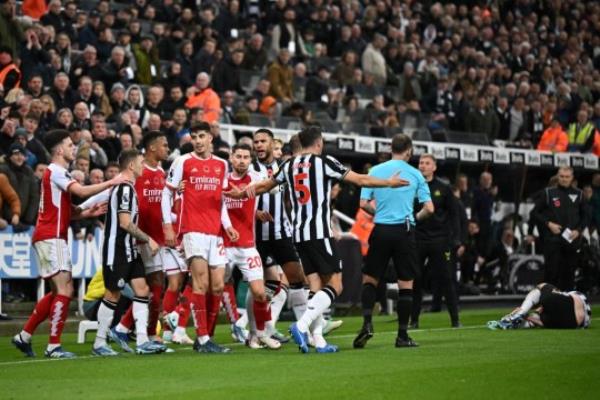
[{"x": 471, "y": 362}]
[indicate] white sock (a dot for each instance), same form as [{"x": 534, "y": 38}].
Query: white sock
[
  {"x": 243, "y": 321},
  {"x": 315, "y": 307},
  {"x": 317, "y": 331},
  {"x": 106, "y": 311},
  {"x": 203, "y": 339},
  {"x": 26, "y": 337},
  {"x": 140, "y": 316},
  {"x": 121, "y": 328},
  {"x": 277, "y": 304},
  {"x": 180, "y": 331},
  {"x": 298, "y": 299},
  {"x": 532, "y": 299}
]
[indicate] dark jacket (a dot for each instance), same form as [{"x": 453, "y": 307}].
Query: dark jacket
[
  {"x": 486, "y": 123},
  {"x": 444, "y": 224},
  {"x": 226, "y": 76},
  {"x": 26, "y": 185}
]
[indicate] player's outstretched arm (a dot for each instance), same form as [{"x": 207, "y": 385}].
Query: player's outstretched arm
[
  {"x": 425, "y": 212},
  {"x": 251, "y": 190},
  {"x": 364, "y": 180},
  {"x": 90, "y": 190}
]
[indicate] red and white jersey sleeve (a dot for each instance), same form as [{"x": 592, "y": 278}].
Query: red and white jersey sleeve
[
  {"x": 54, "y": 213},
  {"x": 242, "y": 212},
  {"x": 201, "y": 200},
  {"x": 149, "y": 187}
]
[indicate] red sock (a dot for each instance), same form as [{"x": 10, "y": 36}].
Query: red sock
[
  {"x": 58, "y": 315},
  {"x": 39, "y": 314},
  {"x": 154, "y": 309},
  {"x": 230, "y": 303},
  {"x": 170, "y": 301},
  {"x": 183, "y": 309},
  {"x": 127, "y": 318},
  {"x": 198, "y": 310},
  {"x": 213, "y": 305},
  {"x": 261, "y": 313}
]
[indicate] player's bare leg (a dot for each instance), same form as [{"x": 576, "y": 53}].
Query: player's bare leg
[{"x": 261, "y": 313}]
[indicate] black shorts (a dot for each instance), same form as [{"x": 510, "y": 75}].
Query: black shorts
[
  {"x": 394, "y": 242},
  {"x": 122, "y": 272},
  {"x": 558, "y": 309},
  {"x": 277, "y": 252},
  {"x": 319, "y": 256}
]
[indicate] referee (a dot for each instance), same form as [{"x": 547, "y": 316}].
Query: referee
[
  {"x": 393, "y": 237},
  {"x": 437, "y": 237}
]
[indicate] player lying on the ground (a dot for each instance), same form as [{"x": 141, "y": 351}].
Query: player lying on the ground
[{"x": 555, "y": 309}]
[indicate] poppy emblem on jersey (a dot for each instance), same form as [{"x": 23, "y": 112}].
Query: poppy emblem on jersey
[
  {"x": 157, "y": 181},
  {"x": 556, "y": 202},
  {"x": 206, "y": 169}
]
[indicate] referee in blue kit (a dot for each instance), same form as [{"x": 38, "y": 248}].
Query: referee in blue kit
[{"x": 393, "y": 237}]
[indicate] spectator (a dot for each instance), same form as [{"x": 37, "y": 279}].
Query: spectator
[
  {"x": 10, "y": 75},
  {"x": 206, "y": 59},
  {"x": 242, "y": 116},
  {"x": 117, "y": 70},
  {"x": 21, "y": 138},
  {"x": 280, "y": 76},
  {"x": 23, "y": 181},
  {"x": 408, "y": 84},
  {"x": 484, "y": 196},
  {"x": 255, "y": 56},
  {"x": 82, "y": 163},
  {"x": 481, "y": 119},
  {"x": 344, "y": 71},
  {"x": 202, "y": 96},
  {"x": 146, "y": 59},
  {"x": 226, "y": 75},
  {"x": 10, "y": 205},
  {"x": 581, "y": 133},
  {"x": 317, "y": 86},
  {"x": 554, "y": 138},
  {"x": 61, "y": 92},
  {"x": 90, "y": 33},
  {"x": 285, "y": 35},
  {"x": 373, "y": 61},
  {"x": 30, "y": 124},
  {"x": 11, "y": 32}
]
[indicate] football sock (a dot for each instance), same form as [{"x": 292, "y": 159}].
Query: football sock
[
  {"x": 368, "y": 296},
  {"x": 532, "y": 299},
  {"x": 39, "y": 315},
  {"x": 140, "y": 316},
  {"x": 126, "y": 322},
  {"x": 183, "y": 309},
  {"x": 230, "y": 303},
  {"x": 277, "y": 303},
  {"x": 170, "y": 301},
  {"x": 154, "y": 309},
  {"x": 198, "y": 312},
  {"x": 106, "y": 311},
  {"x": 403, "y": 309},
  {"x": 58, "y": 315},
  {"x": 250, "y": 312},
  {"x": 316, "y": 306},
  {"x": 213, "y": 305},
  {"x": 298, "y": 298},
  {"x": 316, "y": 329},
  {"x": 261, "y": 314}
]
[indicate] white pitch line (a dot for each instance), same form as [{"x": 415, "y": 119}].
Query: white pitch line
[{"x": 42, "y": 360}]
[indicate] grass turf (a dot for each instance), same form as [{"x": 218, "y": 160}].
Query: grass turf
[{"x": 471, "y": 362}]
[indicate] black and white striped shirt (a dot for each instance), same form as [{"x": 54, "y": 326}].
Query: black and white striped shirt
[
  {"x": 273, "y": 203},
  {"x": 119, "y": 245},
  {"x": 310, "y": 178}
]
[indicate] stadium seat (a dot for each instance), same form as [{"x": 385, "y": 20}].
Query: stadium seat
[
  {"x": 88, "y": 5},
  {"x": 85, "y": 326},
  {"x": 259, "y": 120},
  {"x": 249, "y": 79},
  {"x": 356, "y": 128},
  {"x": 288, "y": 123},
  {"x": 467, "y": 138},
  {"x": 329, "y": 126},
  {"x": 146, "y": 26}
]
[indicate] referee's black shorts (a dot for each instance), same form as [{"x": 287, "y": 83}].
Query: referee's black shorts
[
  {"x": 277, "y": 252},
  {"x": 319, "y": 256},
  {"x": 395, "y": 242},
  {"x": 122, "y": 271}
]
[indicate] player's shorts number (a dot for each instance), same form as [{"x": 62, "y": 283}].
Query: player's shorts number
[
  {"x": 254, "y": 262},
  {"x": 300, "y": 187}
]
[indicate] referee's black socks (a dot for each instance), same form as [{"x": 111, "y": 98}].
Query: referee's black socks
[
  {"x": 369, "y": 295},
  {"x": 403, "y": 309}
]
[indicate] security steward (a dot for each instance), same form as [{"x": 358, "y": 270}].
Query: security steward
[
  {"x": 10, "y": 75},
  {"x": 393, "y": 237},
  {"x": 436, "y": 237},
  {"x": 561, "y": 214}
]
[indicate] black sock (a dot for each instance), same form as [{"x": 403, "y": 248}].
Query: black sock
[
  {"x": 369, "y": 295},
  {"x": 403, "y": 308}
]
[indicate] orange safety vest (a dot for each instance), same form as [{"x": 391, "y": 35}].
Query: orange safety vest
[
  {"x": 596, "y": 147},
  {"x": 362, "y": 228},
  {"x": 10, "y": 67}
]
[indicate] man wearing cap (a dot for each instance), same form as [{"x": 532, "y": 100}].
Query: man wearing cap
[
  {"x": 146, "y": 59},
  {"x": 318, "y": 85},
  {"x": 89, "y": 34},
  {"x": 10, "y": 75},
  {"x": 21, "y": 178}
]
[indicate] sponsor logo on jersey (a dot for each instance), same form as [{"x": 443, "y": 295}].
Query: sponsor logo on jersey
[
  {"x": 194, "y": 169},
  {"x": 556, "y": 202}
]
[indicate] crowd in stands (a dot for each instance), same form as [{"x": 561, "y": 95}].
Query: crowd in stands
[{"x": 508, "y": 72}]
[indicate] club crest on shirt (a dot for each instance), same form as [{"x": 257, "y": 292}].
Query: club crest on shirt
[
  {"x": 218, "y": 170},
  {"x": 437, "y": 193},
  {"x": 556, "y": 202}
]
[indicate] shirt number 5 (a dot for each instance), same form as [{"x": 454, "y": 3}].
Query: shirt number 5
[{"x": 301, "y": 188}]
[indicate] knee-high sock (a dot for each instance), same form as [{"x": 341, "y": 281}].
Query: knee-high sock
[
  {"x": 278, "y": 302},
  {"x": 170, "y": 301},
  {"x": 250, "y": 312},
  {"x": 213, "y": 305},
  {"x": 39, "y": 315},
  {"x": 59, "y": 309},
  {"x": 126, "y": 323},
  {"x": 261, "y": 314},
  {"x": 316, "y": 306},
  {"x": 403, "y": 309},
  {"x": 316, "y": 328},
  {"x": 154, "y": 309},
  {"x": 368, "y": 297},
  {"x": 140, "y": 315},
  {"x": 198, "y": 310},
  {"x": 106, "y": 311},
  {"x": 183, "y": 309},
  {"x": 417, "y": 300},
  {"x": 298, "y": 299},
  {"x": 531, "y": 300},
  {"x": 230, "y": 303}
]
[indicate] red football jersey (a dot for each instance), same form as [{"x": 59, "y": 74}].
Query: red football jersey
[
  {"x": 202, "y": 198},
  {"x": 242, "y": 213},
  {"x": 149, "y": 189},
  {"x": 55, "y": 205}
]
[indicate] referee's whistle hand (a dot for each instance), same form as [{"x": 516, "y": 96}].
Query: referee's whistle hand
[{"x": 395, "y": 181}]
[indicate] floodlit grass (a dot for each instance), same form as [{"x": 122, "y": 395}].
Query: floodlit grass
[{"x": 471, "y": 362}]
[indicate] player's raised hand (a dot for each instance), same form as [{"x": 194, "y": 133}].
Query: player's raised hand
[
  {"x": 117, "y": 180},
  {"x": 98, "y": 209},
  {"x": 264, "y": 216},
  {"x": 232, "y": 234},
  {"x": 235, "y": 192},
  {"x": 395, "y": 181},
  {"x": 170, "y": 239}
]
